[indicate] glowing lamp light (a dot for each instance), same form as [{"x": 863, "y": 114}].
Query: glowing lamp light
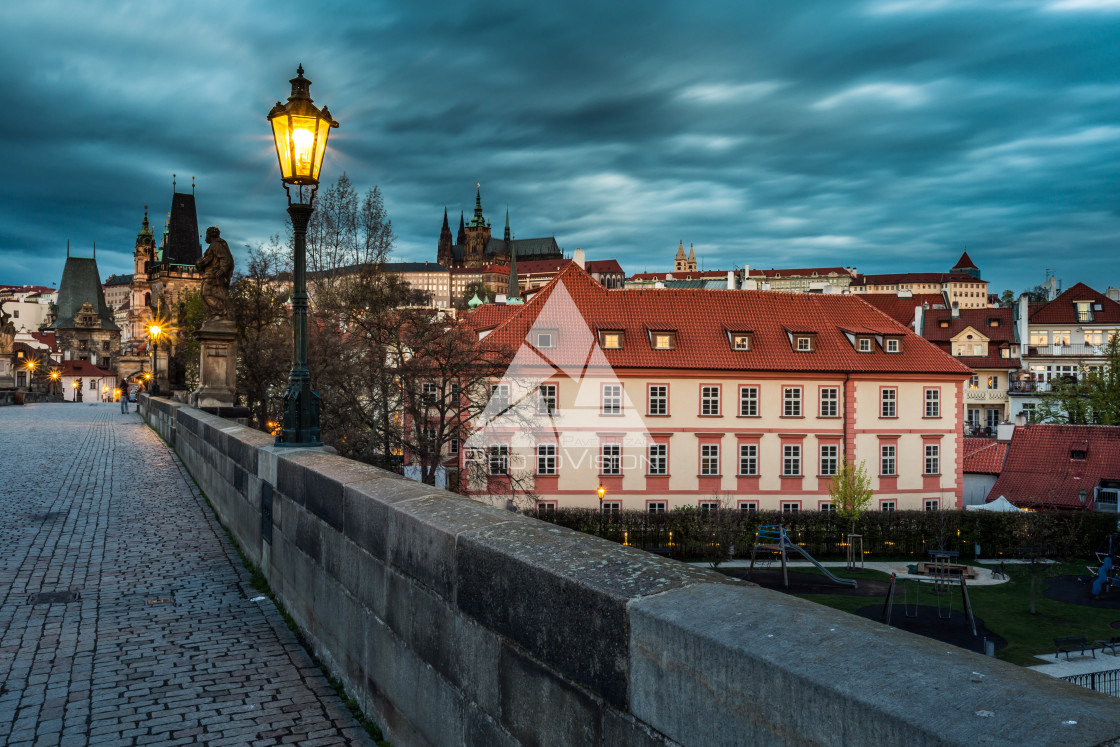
[
  {"x": 300, "y": 130},
  {"x": 601, "y": 491}
]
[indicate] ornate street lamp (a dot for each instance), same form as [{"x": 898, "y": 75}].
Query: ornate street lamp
[
  {"x": 300, "y": 130},
  {"x": 154, "y": 333}
]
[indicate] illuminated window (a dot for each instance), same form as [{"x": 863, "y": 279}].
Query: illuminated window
[{"x": 611, "y": 340}]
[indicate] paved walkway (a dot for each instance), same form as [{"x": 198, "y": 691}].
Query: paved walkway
[{"x": 148, "y": 632}]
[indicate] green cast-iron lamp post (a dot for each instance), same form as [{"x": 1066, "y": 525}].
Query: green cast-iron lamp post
[{"x": 300, "y": 130}]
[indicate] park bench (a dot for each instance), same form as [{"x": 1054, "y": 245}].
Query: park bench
[
  {"x": 1073, "y": 643},
  {"x": 1110, "y": 644}
]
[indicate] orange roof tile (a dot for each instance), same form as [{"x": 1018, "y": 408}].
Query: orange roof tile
[
  {"x": 1062, "y": 311},
  {"x": 901, "y": 309},
  {"x": 702, "y": 321},
  {"x": 983, "y": 456}
]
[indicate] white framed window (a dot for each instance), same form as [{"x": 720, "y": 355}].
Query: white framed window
[
  {"x": 931, "y": 504},
  {"x": 888, "y": 403},
  {"x": 709, "y": 400},
  {"x": 709, "y": 507},
  {"x": 748, "y": 460},
  {"x": 546, "y": 399},
  {"x": 933, "y": 403},
  {"x": 830, "y": 458},
  {"x": 664, "y": 340},
  {"x": 429, "y": 393},
  {"x": 933, "y": 459},
  {"x": 748, "y": 402},
  {"x": 655, "y": 507},
  {"x": 546, "y": 459},
  {"x": 499, "y": 459},
  {"x": 791, "y": 507},
  {"x": 791, "y": 401},
  {"x": 791, "y": 460},
  {"x": 499, "y": 398},
  {"x": 887, "y": 462},
  {"x": 610, "y": 459},
  {"x": 887, "y": 505},
  {"x": 546, "y": 340},
  {"x": 658, "y": 459},
  {"x": 748, "y": 507},
  {"x": 612, "y": 399},
  {"x": 658, "y": 399},
  {"x": 892, "y": 346},
  {"x": 804, "y": 344},
  {"x": 709, "y": 459},
  {"x": 612, "y": 508},
  {"x": 827, "y": 508},
  {"x": 453, "y": 445},
  {"x": 865, "y": 344},
  {"x": 830, "y": 402},
  {"x": 546, "y": 508},
  {"x": 741, "y": 342}
]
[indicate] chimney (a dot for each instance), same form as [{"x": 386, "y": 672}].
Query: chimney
[
  {"x": 1005, "y": 430},
  {"x": 919, "y": 319},
  {"x": 1020, "y": 419},
  {"x": 956, "y": 312},
  {"x": 578, "y": 258},
  {"x": 730, "y": 280}
]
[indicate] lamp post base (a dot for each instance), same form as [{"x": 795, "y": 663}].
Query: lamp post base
[{"x": 301, "y": 416}]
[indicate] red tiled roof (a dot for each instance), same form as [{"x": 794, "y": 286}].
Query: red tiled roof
[
  {"x": 692, "y": 275},
  {"x": 992, "y": 360},
  {"x": 901, "y": 309},
  {"x": 83, "y": 368},
  {"x": 489, "y": 315},
  {"x": 965, "y": 263},
  {"x": 983, "y": 456},
  {"x": 47, "y": 338},
  {"x": 532, "y": 266},
  {"x": 702, "y": 321},
  {"x": 1039, "y": 471},
  {"x": 604, "y": 266},
  {"x": 915, "y": 277},
  {"x": 478, "y": 270},
  {"x": 1062, "y": 311},
  {"x": 978, "y": 319}
]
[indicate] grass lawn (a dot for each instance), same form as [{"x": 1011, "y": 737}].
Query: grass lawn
[{"x": 1005, "y": 609}]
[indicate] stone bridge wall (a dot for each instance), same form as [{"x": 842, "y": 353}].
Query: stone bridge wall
[{"x": 454, "y": 622}]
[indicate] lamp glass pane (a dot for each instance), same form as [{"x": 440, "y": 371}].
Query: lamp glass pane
[
  {"x": 303, "y": 146},
  {"x": 280, "y": 128},
  {"x": 321, "y": 146}
]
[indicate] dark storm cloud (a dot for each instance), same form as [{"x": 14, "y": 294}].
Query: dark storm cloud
[{"x": 886, "y": 134}]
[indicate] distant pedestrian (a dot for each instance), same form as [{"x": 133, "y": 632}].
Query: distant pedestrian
[{"x": 124, "y": 399}]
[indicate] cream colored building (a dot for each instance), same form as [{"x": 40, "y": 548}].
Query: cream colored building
[{"x": 692, "y": 397}]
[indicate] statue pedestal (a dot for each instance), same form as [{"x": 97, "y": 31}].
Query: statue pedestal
[
  {"x": 217, "y": 367},
  {"x": 7, "y": 378}
]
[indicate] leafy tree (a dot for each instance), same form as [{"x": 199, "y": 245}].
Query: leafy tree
[
  {"x": 850, "y": 491},
  {"x": 1007, "y": 298}
]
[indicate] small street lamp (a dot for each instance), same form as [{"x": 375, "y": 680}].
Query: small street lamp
[
  {"x": 300, "y": 130},
  {"x": 602, "y": 492},
  {"x": 30, "y": 366},
  {"x": 154, "y": 332},
  {"x": 56, "y": 380}
]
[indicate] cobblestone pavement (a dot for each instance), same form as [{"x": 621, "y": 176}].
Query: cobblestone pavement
[{"x": 162, "y": 643}]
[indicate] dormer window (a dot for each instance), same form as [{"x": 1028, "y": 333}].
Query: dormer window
[
  {"x": 663, "y": 340},
  {"x": 610, "y": 340},
  {"x": 993, "y": 322},
  {"x": 944, "y": 324},
  {"x": 740, "y": 341},
  {"x": 545, "y": 339},
  {"x": 1077, "y": 453},
  {"x": 1084, "y": 311},
  {"x": 803, "y": 343},
  {"x": 864, "y": 344},
  {"x": 894, "y": 346}
]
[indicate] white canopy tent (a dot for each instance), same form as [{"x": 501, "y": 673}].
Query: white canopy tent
[{"x": 1001, "y": 505}]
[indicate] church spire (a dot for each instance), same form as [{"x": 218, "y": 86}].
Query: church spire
[
  {"x": 445, "y": 226},
  {"x": 513, "y": 290},
  {"x": 462, "y": 237},
  {"x": 477, "y": 220}
]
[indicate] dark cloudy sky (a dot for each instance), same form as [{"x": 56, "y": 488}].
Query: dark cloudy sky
[{"x": 885, "y": 134}]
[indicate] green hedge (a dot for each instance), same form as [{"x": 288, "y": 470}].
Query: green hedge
[{"x": 688, "y": 533}]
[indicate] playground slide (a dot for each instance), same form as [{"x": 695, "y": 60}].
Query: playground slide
[{"x": 835, "y": 579}]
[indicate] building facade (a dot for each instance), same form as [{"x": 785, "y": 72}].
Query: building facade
[
  {"x": 84, "y": 328},
  {"x": 751, "y": 399},
  {"x": 961, "y": 286}
]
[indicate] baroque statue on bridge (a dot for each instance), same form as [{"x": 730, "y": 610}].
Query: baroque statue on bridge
[{"x": 216, "y": 266}]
